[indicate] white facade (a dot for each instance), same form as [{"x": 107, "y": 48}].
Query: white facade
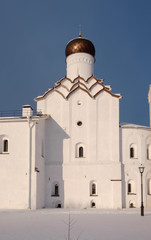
[
  {"x": 135, "y": 150},
  {"x": 74, "y": 154}
]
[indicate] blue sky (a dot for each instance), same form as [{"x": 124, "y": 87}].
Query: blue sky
[{"x": 34, "y": 34}]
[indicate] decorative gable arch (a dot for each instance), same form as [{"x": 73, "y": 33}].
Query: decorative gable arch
[{"x": 76, "y": 89}]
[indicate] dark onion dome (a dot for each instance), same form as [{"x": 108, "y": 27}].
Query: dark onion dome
[{"x": 79, "y": 45}]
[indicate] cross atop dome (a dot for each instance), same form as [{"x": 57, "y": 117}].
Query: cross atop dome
[{"x": 80, "y": 35}]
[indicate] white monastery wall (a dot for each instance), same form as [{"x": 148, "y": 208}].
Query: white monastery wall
[
  {"x": 14, "y": 170},
  {"x": 24, "y": 186},
  {"x": 108, "y": 128},
  {"x": 63, "y": 137},
  {"x": 40, "y": 164},
  {"x": 55, "y": 135},
  {"x": 138, "y": 138},
  {"x": 78, "y": 179},
  {"x": 54, "y": 176}
]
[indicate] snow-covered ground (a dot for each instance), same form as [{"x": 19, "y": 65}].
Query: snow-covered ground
[{"x": 89, "y": 224}]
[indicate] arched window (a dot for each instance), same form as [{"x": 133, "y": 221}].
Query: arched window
[
  {"x": 133, "y": 151},
  {"x": 55, "y": 189},
  {"x": 149, "y": 152},
  {"x": 93, "y": 205},
  {"x": 5, "y": 145},
  {"x": 80, "y": 151},
  {"x": 131, "y": 187},
  {"x": 58, "y": 204},
  {"x": 93, "y": 188},
  {"x": 149, "y": 186},
  {"x": 131, "y": 204}
]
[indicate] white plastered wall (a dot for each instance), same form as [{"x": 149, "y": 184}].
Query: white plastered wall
[
  {"x": 100, "y": 163},
  {"x": 14, "y": 171},
  {"x": 141, "y": 137}
]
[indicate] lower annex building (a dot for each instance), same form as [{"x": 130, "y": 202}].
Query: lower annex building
[{"x": 74, "y": 153}]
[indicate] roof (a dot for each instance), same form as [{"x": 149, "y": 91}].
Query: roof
[
  {"x": 133, "y": 126},
  {"x": 23, "y": 119},
  {"x": 92, "y": 86}
]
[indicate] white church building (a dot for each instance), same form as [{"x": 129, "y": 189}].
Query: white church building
[{"x": 74, "y": 153}]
